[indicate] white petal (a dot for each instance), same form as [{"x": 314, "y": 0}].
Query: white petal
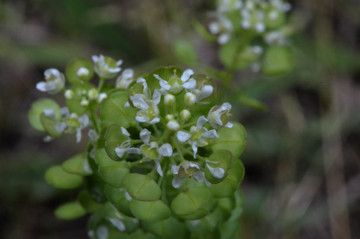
[
  {"x": 216, "y": 172},
  {"x": 120, "y": 152},
  {"x": 125, "y": 132},
  {"x": 229, "y": 125},
  {"x": 163, "y": 83},
  {"x": 165, "y": 150},
  {"x": 84, "y": 121},
  {"x": 78, "y": 135},
  {"x": 206, "y": 91},
  {"x": 127, "y": 73},
  {"x": 139, "y": 102},
  {"x": 41, "y": 86},
  {"x": 186, "y": 75},
  {"x": 201, "y": 121},
  {"x": 199, "y": 176},
  {"x": 224, "y": 38},
  {"x": 145, "y": 135},
  {"x": 49, "y": 113},
  {"x": 118, "y": 224},
  {"x": 86, "y": 166},
  {"x": 102, "y": 232},
  {"x": 142, "y": 119},
  {"x": 119, "y": 62},
  {"x": 175, "y": 169},
  {"x": 93, "y": 135},
  {"x": 155, "y": 120},
  {"x": 47, "y": 138},
  {"x": 158, "y": 168},
  {"x": 64, "y": 111},
  {"x": 156, "y": 97},
  {"x": 227, "y": 106},
  {"x": 60, "y": 127},
  {"x": 177, "y": 182},
  {"x": 214, "y": 28},
  {"x": 95, "y": 59},
  {"x": 183, "y": 136},
  {"x": 194, "y": 147},
  {"x": 127, "y": 104},
  {"x": 211, "y": 134},
  {"x": 190, "y": 84},
  {"x": 114, "y": 70}
]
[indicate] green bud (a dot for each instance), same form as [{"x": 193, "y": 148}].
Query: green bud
[
  {"x": 185, "y": 115},
  {"x": 93, "y": 94},
  {"x": 71, "y": 210},
  {"x": 149, "y": 211},
  {"x": 57, "y": 177},
  {"x": 141, "y": 187},
  {"x": 169, "y": 99},
  {"x": 79, "y": 71}
]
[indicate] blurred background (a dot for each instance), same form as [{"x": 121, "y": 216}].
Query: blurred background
[{"x": 303, "y": 154}]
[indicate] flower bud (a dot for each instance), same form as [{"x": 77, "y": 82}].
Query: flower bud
[
  {"x": 93, "y": 94},
  {"x": 84, "y": 102},
  {"x": 173, "y": 125},
  {"x": 169, "y": 117},
  {"x": 185, "y": 115},
  {"x": 190, "y": 99},
  {"x": 69, "y": 94},
  {"x": 82, "y": 72},
  {"x": 169, "y": 99}
]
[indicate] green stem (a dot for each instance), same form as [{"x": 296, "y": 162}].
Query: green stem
[
  {"x": 177, "y": 146},
  {"x": 101, "y": 83}
]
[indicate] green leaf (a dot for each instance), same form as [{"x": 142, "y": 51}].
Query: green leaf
[
  {"x": 59, "y": 178},
  {"x": 207, "y": 224},
  {"x": 169, "y": 228},
  {"x": 87, "y": 202},
  {"x": 71, "y": 210},
  {"x": 112, "y": 172},
  {"x": 193, "y": 203},
  {"x": 219, "y": 159},
  {"x": 141, "y": 187},
  {"x": 73, "y": 68},
  {"x": 185, "y": 52},
  {"x": 153, "y": 211},
  {"x": 277, "y": 61},
  {"x": 117, "y": 197},
  {"x": 77, "y": 164},
  {"x": 49, "y": 125},
  {"x": 230, "y": 184},
  {"x": 112, "y": 110},
  {"x": 37, "y": 109},
  {"x": 232, "y": 139},
  {"x": 113, "y": 138}
]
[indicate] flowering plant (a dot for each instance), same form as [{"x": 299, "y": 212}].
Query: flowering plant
[{"x": 162, "y": 159}]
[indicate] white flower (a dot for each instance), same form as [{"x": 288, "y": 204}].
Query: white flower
[
  {"x": 69, "y": 94},
  {"x": 125, "y": 146},
  {"x": 229, "y": 5},
  {"x": 219, "y": 116},
  {"x": 149, "y": 111},
  {"x": 198, "y": 135},
  {"x": 125, "y": 79},
  {"x": 174, "y": 85},
  {"x": 106, "y": 67},
  {"x": 54, "y": 81},
  {"x": 186, "y": 169},
  {"x": 202, "y": 92}
]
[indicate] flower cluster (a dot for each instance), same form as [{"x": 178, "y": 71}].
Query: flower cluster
[
  {"x": 251, "y": 20},
  {"x": 156, "y": 141}
]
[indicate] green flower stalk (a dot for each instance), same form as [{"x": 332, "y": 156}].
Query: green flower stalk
[{"x": 162, "y": 159}]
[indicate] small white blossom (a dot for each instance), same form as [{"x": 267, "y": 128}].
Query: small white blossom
[
  {"x": 185, "y": 115},
  {"x": 189, "y": 99},
  {"x": 104, "y": 67},
  {"x": 125, "y": 79},
  {"x": 219, "y": 116},
  {"x": 54, "y": 81},
  {"x": 93, "y": 94},
  {"x": 149, "y": 111},
  {"x": 69, "y": 94},
  {"x": 198, "y": 135},
  {"x": 173, "y": 125},
  {"x": 175, "y": 85},
  {"x": 186, "y": 169},
  {"x": 169, "y": 99}
]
